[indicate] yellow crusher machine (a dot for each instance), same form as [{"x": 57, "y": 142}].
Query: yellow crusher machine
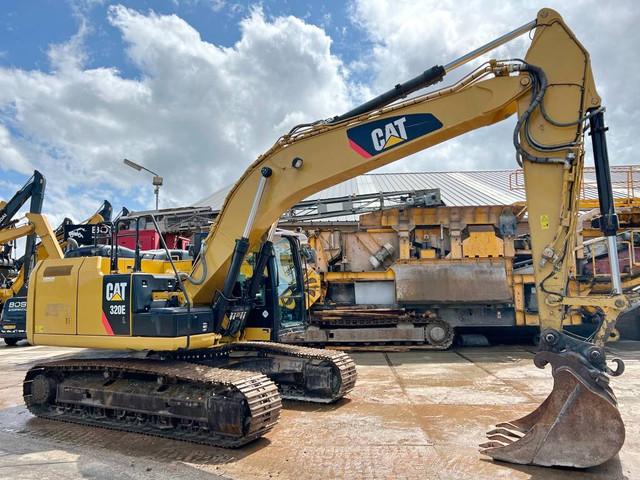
[
  {"x": 203, "y": 375},
  {"x": 424, "y": 274}
]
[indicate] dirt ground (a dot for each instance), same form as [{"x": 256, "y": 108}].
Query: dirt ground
[{"x": 413, "y": 414}]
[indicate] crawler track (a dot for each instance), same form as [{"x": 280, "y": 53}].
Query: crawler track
[
  {"x": 301, "y": 373},
  {"x": 171, "y": 399},
  {"x": 421, "y": 335}
]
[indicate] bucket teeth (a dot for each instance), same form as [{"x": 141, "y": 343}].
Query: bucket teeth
[
  {"x": 505, "y": 432},
  {"x": 514, "y": 429},
  {"x": 499, "y": 437},
  {"x": 577, "y": 425},
  {"x": 492, "y": 444}
]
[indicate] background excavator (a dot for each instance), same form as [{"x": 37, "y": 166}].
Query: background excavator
[
  {"x": 32, "y": 190},
  {"x": 15, "y": 271},
  {"x": 197, "y": 381}
]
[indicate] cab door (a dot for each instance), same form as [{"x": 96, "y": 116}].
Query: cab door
[{"x": 288, "y": 284}]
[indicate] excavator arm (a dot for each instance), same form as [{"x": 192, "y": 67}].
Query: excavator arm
[
  {"x": 312, "y": 158},
  {"x": 34, "y": 190},
  {"x": 37, "y": 225},
  {"x": 555, "y": 78},
  {"x": 103, "y": 214},
  {"x": 553, "y": 93}
]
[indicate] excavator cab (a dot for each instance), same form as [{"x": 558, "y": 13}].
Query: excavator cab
[
  {"x": 279, "y": 305},
  {"x": 287, "y": 275}
]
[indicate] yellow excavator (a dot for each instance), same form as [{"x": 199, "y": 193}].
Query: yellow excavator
[
  {"x": 33, "y": 191},
  {"x": 52, "y": 243},
  {"x": 203, "y": 376}
]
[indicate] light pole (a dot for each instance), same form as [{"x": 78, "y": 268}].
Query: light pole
[{"x": 157, "y": 179}]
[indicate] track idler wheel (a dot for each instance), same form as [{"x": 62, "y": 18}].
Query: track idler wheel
[
  {"x": 578, "y": 425},
  {"x": 439, "y": 334},
  {"x": 43, "y": 389}
]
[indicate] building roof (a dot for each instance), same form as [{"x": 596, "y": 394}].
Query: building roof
[
  {"x": 457, "y": 189},
  {"x": 490, "y": 187}
]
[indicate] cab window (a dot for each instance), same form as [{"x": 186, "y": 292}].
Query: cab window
[{"x": 290, "y": 296}]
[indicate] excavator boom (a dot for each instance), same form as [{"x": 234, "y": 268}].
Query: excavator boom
[{"x": 33, "y": 190}]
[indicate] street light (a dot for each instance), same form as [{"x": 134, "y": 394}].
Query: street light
[{"x": 157, "y": 179}]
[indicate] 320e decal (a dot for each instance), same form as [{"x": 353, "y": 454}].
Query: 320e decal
[
  {"x": 115, "y": 304},
  {"x": 381, "y": 135}
]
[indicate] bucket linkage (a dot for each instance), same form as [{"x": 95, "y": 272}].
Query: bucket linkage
[{"x": 578, "y": 425}]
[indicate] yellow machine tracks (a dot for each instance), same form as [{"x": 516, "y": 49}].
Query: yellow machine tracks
[
  {"x": 301, "y": 373},
  {"x": 344, "y": 374},
  {"x": 177, "y": 400}
]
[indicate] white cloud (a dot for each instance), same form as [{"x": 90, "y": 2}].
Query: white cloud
[
  {"x": 69, "y": 56},
  {"x": 10, "y": 156},
  {"x": 198, "y": 114},
  {"x": 217, "y": 5},
  {"x": 410, "y": 36}
]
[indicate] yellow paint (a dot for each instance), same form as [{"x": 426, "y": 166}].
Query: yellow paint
[
  {"x": 518, "y": 303},
  {"x": 57, "y": 302},
  {"x": 257, "y": 334},
  {"x": 427, "y": 253},
  {"x": 393, "y": 140},
  {"x": 482, "y": 242},
  {"x": 125, "y": 342},
  {"x": 313, "y": 284},
  {"x": 346, "y": 277}
]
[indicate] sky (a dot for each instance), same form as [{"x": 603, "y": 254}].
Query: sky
[{"x": 196, "y": 89}]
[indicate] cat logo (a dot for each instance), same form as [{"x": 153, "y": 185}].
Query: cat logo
[
  {"x": 392, "y": 134},
  {"x": 116, "y": 291},
  {"x": 372, "y": 138}
]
